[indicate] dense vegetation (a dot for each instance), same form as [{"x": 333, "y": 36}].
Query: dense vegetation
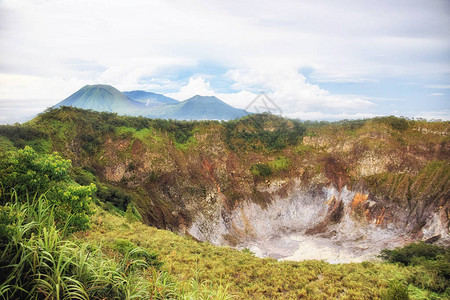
[
  {"x": 263, "y": 131},
  {"x": 27, "y": 175},
  {"x": 39, "y": 259},
  {"x": 250, "y": 277},
  {"x": 435, "y": 260}
]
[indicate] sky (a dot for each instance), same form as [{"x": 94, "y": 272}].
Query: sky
[{"x": 316, "y": 60}]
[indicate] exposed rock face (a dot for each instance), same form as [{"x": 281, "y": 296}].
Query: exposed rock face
[{"x": 300, "y": 226}]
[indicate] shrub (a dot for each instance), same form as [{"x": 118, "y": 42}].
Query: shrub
[
  {"x": 90, "y": 143},
  {"x": 432, "y": 262},
  {"x": 396, "y": 123},
  {"x": 20, "y": 135},
  {"x": 28, "y": 175},
  {"x": 132, "y": 214},
  {"x": 413, "y": 253},
  {"x": 396, "y": 291},
  {"x": 115, "y": 196},
  {"x": 263, "y": 132},
  {"x": 130, "y": 251},
  {"x": 280, "y": 164},
  {"x": 261, "y": 170}
]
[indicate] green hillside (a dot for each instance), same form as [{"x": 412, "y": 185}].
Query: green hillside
[{"x": 120, "y": 178}]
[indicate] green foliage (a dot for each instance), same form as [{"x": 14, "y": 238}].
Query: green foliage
[
  {"x": 115, "y": 196},
  {"x": 37, "y": 263},
  {"x": 91, "y": 128},
  {"x": 6, "y": 144},
  {"x": 263, "y": 132},
  {"x": 261, "y": 170},
  {"x": 27, "y": 174},
  {"x": 73, "y": 203},
  {"x": 7, "y": 219},
  {"x": 132, "y": 215},
  {"x": 280, "y": 163},
  {"x": 83, "y": 176},
  {"x": 400, "y": 124},
  {"x": 122, "y": 245},
  {"x": 396, "y": 291},
  {"x": 129, "y": 249},
  {"x": 433, "y": 263},
  {"x": 30, "y": 173},
  {"x": 303, "y": 149},
  {"x": 90, "y": 143},
  {"x": 414, "y": 253},
  {"x": 108, "y": 196},
  {"x": 190, "y": 143},
  {"x": 21, "y": 135}
]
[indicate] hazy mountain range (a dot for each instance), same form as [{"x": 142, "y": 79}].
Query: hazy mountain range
[{"x": 141, "y": 103}]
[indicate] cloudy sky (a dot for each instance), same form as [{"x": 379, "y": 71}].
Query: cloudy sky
[{"x": 315, "y": 59}]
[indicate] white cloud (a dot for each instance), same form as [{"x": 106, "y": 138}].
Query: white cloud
[
  {"x": 196, "y": 86},
  {"x": 439, "y": 86},
  {"x": 145, "y": 44},
  {"x": 290, "y": 91},
  {"x": 129, "y": 74},
  {"x": 353, "y": 42},
  {"x": 436, "y": 94},
  {"x": 287, "y": 89},
  {"x": 49, "y": 90},
  {"x": 22, "y": 96}
]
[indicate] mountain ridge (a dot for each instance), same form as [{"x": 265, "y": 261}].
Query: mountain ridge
[
  {"x": 197, "y": 107},
  {"x": 147, "y": 104},
  {"x": 143, "y": 96}
]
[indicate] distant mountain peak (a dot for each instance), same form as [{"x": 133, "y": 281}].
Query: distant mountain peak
[
  {"x": 102, "y": 97},
  {"x": 144, "y": 97},
  {"x": 205, "y": 99}
]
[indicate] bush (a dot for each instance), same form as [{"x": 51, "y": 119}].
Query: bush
[
  {"x": 263, "y": 132},
  {"x": 432, "y": 262},
  {"x": 115, "y": 196},
  {"x": 396, "y": 123},
  {"x": 132, "y": 214},
  {"x": 261, "y": 170},
  {"x": 414, "y": 253},
  {"x": 396, "y": 291},
  {"x": 90, "y": 143},
  {"x": 20, "y": 135},
  {"x": 130, "y": 251},
  {"x": 28, "y": 175}
]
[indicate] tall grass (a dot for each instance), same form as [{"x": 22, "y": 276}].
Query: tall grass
[{"x": 38, "y": 260}]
